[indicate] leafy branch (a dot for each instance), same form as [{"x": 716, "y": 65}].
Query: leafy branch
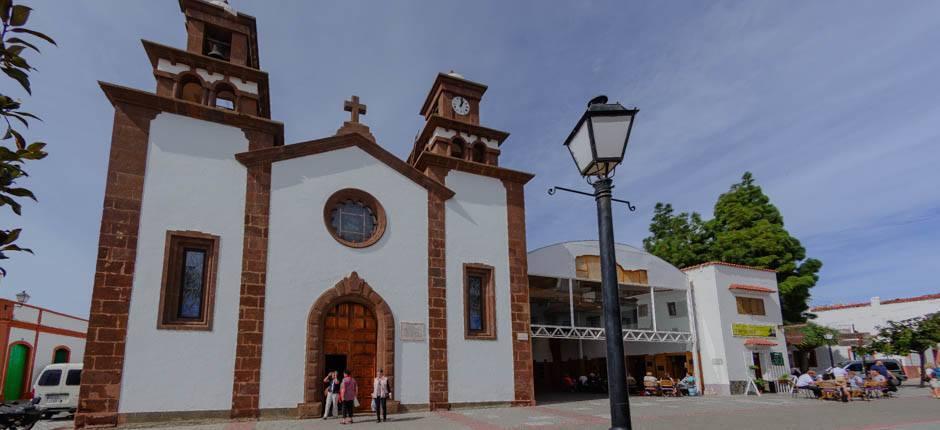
[{"x": 15, "y": 40}]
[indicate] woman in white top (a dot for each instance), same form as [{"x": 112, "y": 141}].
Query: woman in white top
[{"x": 381, "y": 392}]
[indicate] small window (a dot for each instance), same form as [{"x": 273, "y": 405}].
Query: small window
[
  {"x": 188, "y": 281},
  {"x": 225, "y": 98},
  {"x": 354, "y": 218},
  {"x": 61, "y": 355},
  {"x": 50, "y": 378},
  {"x": 191, "y": 91},
  {"x": 750, "y": 306},
  {"x": 671, "y": 308},
  {"x": 457, "y": 148},
  {"x": 479, "y": 298},
  {"x": 74, "y": 377},
  {"x": 479, "y": 152}
]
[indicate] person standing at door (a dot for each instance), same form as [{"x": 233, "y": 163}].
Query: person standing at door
[
  {"x": 348, "y": 390},
  {"x": 381, "y": 391},
  {"x": 332, "y": 395}
]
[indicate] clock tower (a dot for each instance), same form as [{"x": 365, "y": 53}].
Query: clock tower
[{"x": 452, "y": 128}]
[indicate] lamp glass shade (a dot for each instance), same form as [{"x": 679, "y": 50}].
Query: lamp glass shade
[
  {"x": 22, "y": 297},
  {"x": 580, "y": 147},
  {"x": 610, "y": 135}
]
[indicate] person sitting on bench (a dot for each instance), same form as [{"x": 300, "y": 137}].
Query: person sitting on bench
[{"x": 807, "y": 381}]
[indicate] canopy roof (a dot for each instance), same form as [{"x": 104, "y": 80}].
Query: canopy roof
[{"x": 558, "y": 261}]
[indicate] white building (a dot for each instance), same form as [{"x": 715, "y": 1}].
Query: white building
[
  {"x": 857, "y": 320},
  {"x": 31, "y": 338},
  {"x": 716, "y": 319}
]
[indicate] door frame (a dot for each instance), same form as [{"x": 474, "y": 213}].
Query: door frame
[{"x": 350, "y": 289}]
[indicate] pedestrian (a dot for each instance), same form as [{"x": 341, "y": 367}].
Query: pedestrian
[
  {"x": 935, "y": 382},
  {"x": 381, "y": 392},
  {"x": 348, "y": 390},
  {"x": 331, "y": 394},
  {"x": 807, "y": 381}
]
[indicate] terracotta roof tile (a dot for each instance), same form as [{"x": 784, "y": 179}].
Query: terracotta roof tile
[
  {"x": 884, "y": 302},
  {"x": 751, "y": 288},
  {"x": 722, "y": 263}
]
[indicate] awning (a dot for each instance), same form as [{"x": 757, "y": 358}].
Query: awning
[
  {"x": 751, "y": 288},
  {"x": 759, "y": 342}
]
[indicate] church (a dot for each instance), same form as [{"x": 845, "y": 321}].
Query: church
[{"x": 235, "y": 270}]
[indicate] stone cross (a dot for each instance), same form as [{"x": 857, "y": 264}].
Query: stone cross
[{"x": 355, "y": 108}]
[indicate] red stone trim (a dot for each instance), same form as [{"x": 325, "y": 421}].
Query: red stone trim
[
  {"x": 246, "y": 385},
  {"x": 123, "y": 95},
  {"x": 156, "y": 51},
  {"x": 427, "y": 159},
  {"x": 39, "y": 328},
  {"x": 349, "y": 289},
  {"x": 751, "y": 288},
  {"x": 114, "y": 272},
  {"x": 436, "y": 121},
  {"x": 519, "y": 295},
  {"x": 721, "y": 263},
  {"x": 8, "y": 313},
  {"x": 445, "y": 81},
  {"x": 437, "y": 298},
  {"x": 333, "y": 143},
  {"x": 369, "y": 200}
]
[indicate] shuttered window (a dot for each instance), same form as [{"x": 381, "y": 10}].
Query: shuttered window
[{"x": 750, "y": 306}]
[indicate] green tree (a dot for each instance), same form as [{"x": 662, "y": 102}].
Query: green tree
[
  {"x": 813, "y": 336},
  {"x": 679, "y": 239},
  {"x": 746, "y": 229},
  {"x": 915, "y": 335},
  {"x": 14, "y": 151}
]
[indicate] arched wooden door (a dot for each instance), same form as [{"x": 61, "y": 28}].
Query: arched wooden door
[
  {"x": 16, "y": 372},
  {"x": 350, "y": 331}
]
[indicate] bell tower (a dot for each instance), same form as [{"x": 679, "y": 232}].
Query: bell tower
[
  {"x": 220, "y": 66},
  {"x": 452, "y": 128}
]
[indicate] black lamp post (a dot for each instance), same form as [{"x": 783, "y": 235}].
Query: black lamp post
[
  {"x": 597, "y": 145},
  {"x": 828, "y": 337}
]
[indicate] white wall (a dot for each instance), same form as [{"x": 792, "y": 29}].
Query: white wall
[
  {"x": 709, "y": 330},
  {"x": 48, "y": 343},
  {"x": 477, "y": 232},
  {"x": 192, "y": 182},
  {"x": 875, "y": 314},
  {"x": 304, "y": 260}
]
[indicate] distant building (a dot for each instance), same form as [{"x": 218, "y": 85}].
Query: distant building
[
  {"x": 31, "y": 338},
  {"x": 858, "y": 320}
]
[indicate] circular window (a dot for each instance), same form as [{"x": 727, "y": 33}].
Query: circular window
[{"x": 354, "y": 218}]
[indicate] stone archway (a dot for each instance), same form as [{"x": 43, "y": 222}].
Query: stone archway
[{"x": 351, "y": 289}]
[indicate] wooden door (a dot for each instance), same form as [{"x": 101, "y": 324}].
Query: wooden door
[
  {"x": 16, "y": 372},
  {"x": 350, "y": 330}
]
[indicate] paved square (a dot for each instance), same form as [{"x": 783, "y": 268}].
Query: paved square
[{"x": 912, "y": 409}]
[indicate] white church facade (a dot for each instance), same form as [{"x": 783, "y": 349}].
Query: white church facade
[{"x": 235, "y": 270}]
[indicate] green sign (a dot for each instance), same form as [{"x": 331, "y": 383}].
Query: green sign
[
  {"x": 753, "y": 330},
  {"x": 776, "y": 358}
]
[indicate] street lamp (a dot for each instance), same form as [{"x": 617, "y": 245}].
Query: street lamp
[
  {"x": 22, "y": 297},
  {"x": 597, "y": 145},
  {"x": 828, "y": 337}
]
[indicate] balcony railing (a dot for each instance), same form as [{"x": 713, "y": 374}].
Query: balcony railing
[{"x": 597, "y": 333}]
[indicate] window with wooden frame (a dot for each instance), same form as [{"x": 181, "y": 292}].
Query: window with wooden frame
[
  {"x": 187, "y": 294},
  {"x": 750, "y": 306},
  {"x": 479, "y": 302}
]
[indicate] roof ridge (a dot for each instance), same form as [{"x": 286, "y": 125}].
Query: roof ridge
[
  {"x": 838, "y": 306},
  {"x": 722, "y": 263}
]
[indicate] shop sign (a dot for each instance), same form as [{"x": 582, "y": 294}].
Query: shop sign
[{"x": 753, "y": 330}]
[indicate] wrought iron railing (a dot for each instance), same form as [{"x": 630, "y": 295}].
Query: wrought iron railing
[{"x": 597, "y": 333}]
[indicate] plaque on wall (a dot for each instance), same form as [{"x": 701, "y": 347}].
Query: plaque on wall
[
  {"x": 412, "y": 331},
  {"x": 776, "y": 358}
]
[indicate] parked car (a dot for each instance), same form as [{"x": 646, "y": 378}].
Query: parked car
[
  {"x": 894, "y": 366},
  {"x": 56, "y": 390}
]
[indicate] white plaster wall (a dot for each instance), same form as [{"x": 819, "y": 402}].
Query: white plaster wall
[
  {"x": 22, "y": 335},
  {"x": 50, "y": 319},
  {"x": 26, "y": 314},
  {"x": 48, "y": 343},
  {"x": 477, "y": 232},
  {"x": 304, "y": 260},
  {"x": 192, "y": 182},
  {"x": 875, "y": 314},
  {"x": 737, "y": 354},
  {"x": 168, "y": 66},
  {"x": 709, "y": 329}
]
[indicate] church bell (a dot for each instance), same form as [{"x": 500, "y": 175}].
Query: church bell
[{"x": 215, "y": 51}]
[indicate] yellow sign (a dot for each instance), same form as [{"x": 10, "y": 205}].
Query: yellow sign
[{"x": 752, "y": 330}]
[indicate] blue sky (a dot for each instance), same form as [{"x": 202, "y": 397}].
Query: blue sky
[{"x": 832, "y": 106}]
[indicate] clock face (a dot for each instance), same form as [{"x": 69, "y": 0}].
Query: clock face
[{"x": 461, "y": 105}]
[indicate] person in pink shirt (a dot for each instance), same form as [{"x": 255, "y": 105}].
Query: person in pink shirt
[{"x": 348, "y": 389}]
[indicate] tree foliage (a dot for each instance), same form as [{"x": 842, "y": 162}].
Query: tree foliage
[
  {"x": 746, "y": 229},
  {"x": 15, "y": 40},
  {"x": 915, "y": 335},
  {"x": 814, "y": 336}
]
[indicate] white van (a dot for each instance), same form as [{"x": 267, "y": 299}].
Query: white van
[{"x": 57, "y": 388}]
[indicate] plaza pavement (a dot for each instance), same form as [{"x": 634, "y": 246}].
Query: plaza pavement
[{"x": 912, "y": 409}]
